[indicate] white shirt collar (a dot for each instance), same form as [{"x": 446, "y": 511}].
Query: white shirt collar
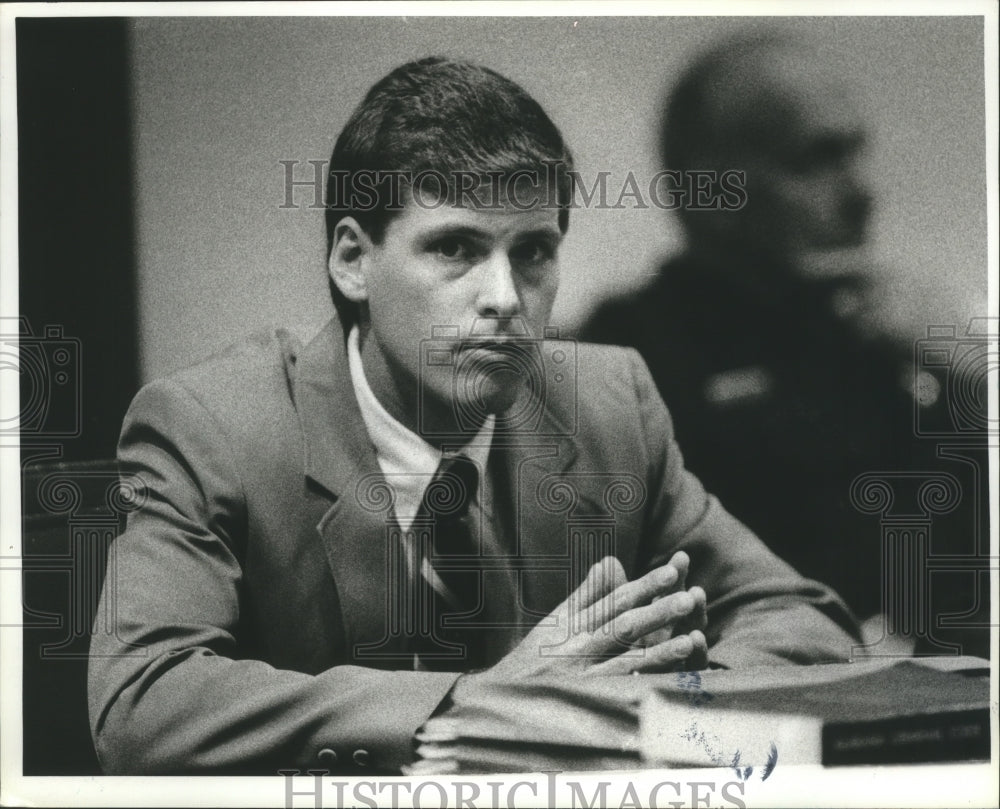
[{"x": 407, "y": 461}]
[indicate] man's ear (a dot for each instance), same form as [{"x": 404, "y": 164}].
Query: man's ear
[{"x": 349, "y": 257}]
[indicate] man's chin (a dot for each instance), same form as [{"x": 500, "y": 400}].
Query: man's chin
[{"x": 493, "y": 398}]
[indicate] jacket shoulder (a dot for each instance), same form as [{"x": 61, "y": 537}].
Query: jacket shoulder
[
  {"x": 245, "y": 384},
  {"x": 613, "y": 364},
  {"x": 612, "y": 382}
]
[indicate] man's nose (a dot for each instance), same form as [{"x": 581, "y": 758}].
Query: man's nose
[
  {"x": 856, "y": 179},
  {"x": 857, "y": 196},
  {"x": 497, "y": 292}
]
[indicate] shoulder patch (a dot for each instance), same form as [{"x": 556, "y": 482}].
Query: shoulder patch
[{"x": 738, "y": 386}]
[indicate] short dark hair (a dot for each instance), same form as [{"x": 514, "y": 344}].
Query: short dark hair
[{"x": 444, "y": 116}]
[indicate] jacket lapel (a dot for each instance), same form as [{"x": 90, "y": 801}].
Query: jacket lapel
[
  {"x": 530, "y": 464},
  {"x": 356, "y": 527}
]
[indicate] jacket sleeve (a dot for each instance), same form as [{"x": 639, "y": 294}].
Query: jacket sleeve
[
  {"x": 172, "y": 689},
  {"x": 760, "y": 610}
]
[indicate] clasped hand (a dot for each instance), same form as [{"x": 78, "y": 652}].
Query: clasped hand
[{"x": 610, "y": 625}]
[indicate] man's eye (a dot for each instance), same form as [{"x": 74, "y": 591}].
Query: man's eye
[
  {"x": 533, "y": 253},
  {"x": 451, "y": 249}
]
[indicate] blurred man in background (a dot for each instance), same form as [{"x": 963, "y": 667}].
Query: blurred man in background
[{"x": 764, "y": 335}]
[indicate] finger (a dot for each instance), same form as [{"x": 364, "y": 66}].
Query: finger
[
  {"x": 628, "y": 629},
  {"x": 657, "y": 582},
  {"x": 698, "y": 617},
  {"x": 698, "y": 659},
  {"x": 666, "y": 656},
  {"x": 602, "y": 578},
  {"x": 681, "y": 562}
]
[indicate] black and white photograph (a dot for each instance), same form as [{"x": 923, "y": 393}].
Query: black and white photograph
[{"x": 499, "y": 404}]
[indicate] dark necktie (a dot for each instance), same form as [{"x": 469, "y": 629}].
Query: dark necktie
[{"x": 449, "y": 574}]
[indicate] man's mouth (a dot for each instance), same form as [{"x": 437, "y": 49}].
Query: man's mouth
[{"x": 503, "y": 346}]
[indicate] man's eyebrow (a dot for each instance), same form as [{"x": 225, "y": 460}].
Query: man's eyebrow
[
  {"x": 551, "y": 233},
  {"x": 470, "y": 231},
  {"x": 455, "y": 229}
]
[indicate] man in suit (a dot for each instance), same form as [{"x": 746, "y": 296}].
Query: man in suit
[{"x": 336, "y": 533}]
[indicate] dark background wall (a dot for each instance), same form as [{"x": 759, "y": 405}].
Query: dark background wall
[
  {"x": 76, "y": 230},
  {"x": 79, "y": 366}
]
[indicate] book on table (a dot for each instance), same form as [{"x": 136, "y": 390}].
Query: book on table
[
  {"x": 901, "y": 712},
  {"x": 875, "y": 711}
]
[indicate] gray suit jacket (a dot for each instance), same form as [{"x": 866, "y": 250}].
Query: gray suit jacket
[{"x": 249, "y": 592}]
